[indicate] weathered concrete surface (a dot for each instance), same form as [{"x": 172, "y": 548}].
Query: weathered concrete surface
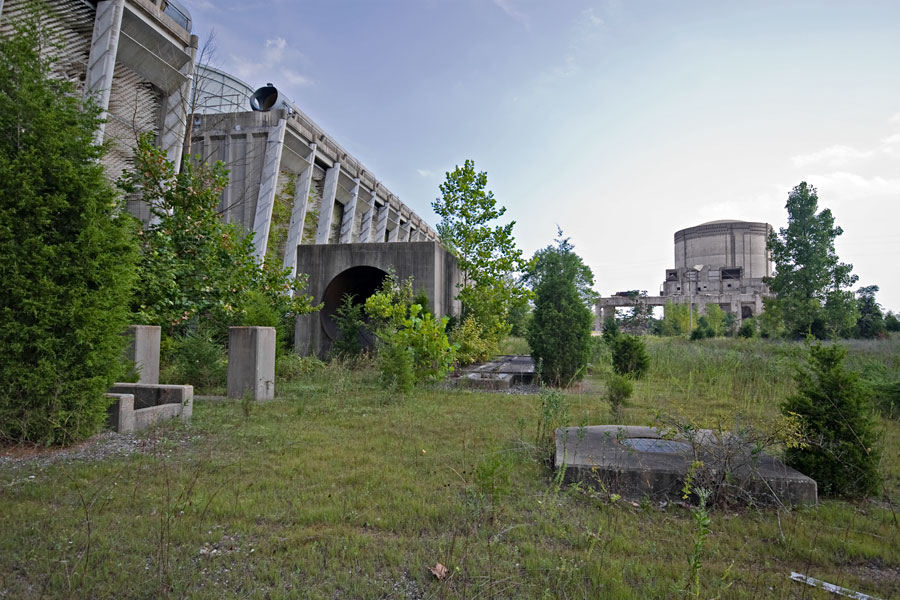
[
  {"x": 140, "y": 405},
  {"x": 143, "y": 351},
  {"x": 335, "y": 269},
  {"x": 251, "y": 362},
  {"x": 598, "y": 456},
  {"x": 499, "y": 373}
]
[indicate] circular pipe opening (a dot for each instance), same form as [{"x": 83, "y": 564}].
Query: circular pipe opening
[{"x": 360, "y": 282}]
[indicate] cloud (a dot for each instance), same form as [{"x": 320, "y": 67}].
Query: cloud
[
  {"x": 835, "y": 156},
  {"x": 425, "y": 172},
  {"x": 276, "y": 63},
  {"x": 852, "y": 186},
  {"x": 592, "y": 18},
  {"x": 896, "y": 119},
  {"x": 512, "y": 12}
]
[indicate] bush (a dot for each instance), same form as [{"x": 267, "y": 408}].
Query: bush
[
  {"x": 629, "y": 356},
  {"x": 560, "y": 332},
  {"x": 891, "y": 322},
  {"x": 618, "y": 391},
  {"x": 199, "y": 361},
  {"x": 395, "y": 367},
  {"x": 471, "y": 343},
  {"x": 66, "y": 251},
  {"x": 837, "y": 424},
  {"x": 349, "y": 320},
  {"x": 291, "y": 367},
  {"x": 748, "y": 329}
]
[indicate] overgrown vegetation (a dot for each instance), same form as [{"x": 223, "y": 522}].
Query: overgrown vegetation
[{"x": 67, "y": 258}]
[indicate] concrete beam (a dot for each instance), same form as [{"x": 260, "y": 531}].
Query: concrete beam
[
  {"x": 298, "y": 213},
  {"x": 268, "y": 185},
  {"x": 326, "y": 208},
  {"x": 102, "y": 57},
  {"x": 349, "y": 220}
]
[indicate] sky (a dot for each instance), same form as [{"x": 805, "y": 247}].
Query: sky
[{"x": 618, "y": 121}]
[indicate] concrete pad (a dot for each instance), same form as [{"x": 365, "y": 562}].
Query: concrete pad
[
  {"x": 638, "y": 461},
  {"x": 251, "y": 362}
]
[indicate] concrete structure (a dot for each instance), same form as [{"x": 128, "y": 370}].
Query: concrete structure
[
  {"x": 500, "y": 373},
  {"x": 721, "y": 262},
  {"x": 251, "y": 362},
  {"x": 138, "y": 406},
  {"x": 638, "y": 461},
  {"x": 143, "y": 351},
  {"x": 135, "y": 58},
  {"x": 276, "y": 153},
  {"x": 358, "y": 269}
]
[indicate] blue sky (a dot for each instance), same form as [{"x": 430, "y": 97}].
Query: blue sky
[{"x": 619, "y": 121}]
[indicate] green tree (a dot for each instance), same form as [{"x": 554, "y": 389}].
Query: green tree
[
  {"x": 837, "y": 424},
  {"x": 809, "y": 276},
  {"x": 486, "y": 254},
  {"x": 67, "y": 251},
  {"x": 891, "y": 322},
  {"x": 871, "y": 321},
  {"x": 196, "y": 271},
  {"x": 560, "y": 331}
]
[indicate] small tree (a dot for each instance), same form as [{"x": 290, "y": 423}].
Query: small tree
[
  {"x": 487, "y": 255},
  {"x": 560, "y": 331},
  {"x": 871, "y": 322},
  {"x": 810, "y": 281},
  {"x": 629, "y": 356},
  {"x": 836, "y": 419},
  {"x": 67, "y": 252}
]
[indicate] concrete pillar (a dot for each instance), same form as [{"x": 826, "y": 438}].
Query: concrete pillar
[
  {"x": 251, "y": 362},
  {"x": 268, "y": 185},
  {"x": 298, "y": 213},
  {"x": 365, "y": 227},
  {"x": 102, "y": 57},
  {"x": 143, "y": 351},
  {"x": 326, "y": 208},
  {"x": 176, "y": 108},
  {"x": 381, "y": 223},
  {"x": 607, "y": 312},
  {"x": 349, "y": 219}
]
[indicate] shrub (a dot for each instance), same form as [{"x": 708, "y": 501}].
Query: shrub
[
  {"x": 199, "y": 361},
  {"x": 891, "y": 322},
  {"x": 290, "y": 367},
  {"x": 66, "y": 251},
  {"x": 395, "y": 366},
  {"x": 560, "y": 332},
  {"x": 629, "y": 356},
  {"x": 836, "y": 420},
  {"x": 471, "y": 343},
  {"x": 618, "y": 391},
  {"x": 748, "y": 329},
  {"x": 348, "y": 318}
]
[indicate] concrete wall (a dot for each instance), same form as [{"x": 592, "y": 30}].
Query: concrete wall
[
  {"x": 432, "y": 268},
  {"x": 725, "y": 244}
]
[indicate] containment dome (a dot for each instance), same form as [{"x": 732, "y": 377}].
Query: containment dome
[{"x": 727, "y": 245}]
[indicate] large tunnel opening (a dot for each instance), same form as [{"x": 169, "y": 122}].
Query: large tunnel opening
[{"x": 359, "y": 282}]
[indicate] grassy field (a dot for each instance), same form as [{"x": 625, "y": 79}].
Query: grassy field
[{"x": 338, "y": 490}]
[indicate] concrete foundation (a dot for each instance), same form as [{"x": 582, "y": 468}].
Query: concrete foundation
[
  {"x": 359, "y": 269},
  {"x": 251, "y": 362},
  {"x": 637, "y": 462},
  {"x": 138, "y": 406},
  {"x": 143, "y": 351}
]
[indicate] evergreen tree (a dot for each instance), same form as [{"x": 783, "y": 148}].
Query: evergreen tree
[
  {"x": 810, "y": 281},
  {"x": 560, "y": 332},
  {"x": 871, "y": 321},
  {"x": 67, "y": 252}
]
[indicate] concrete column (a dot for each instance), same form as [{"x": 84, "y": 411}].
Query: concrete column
[
  {"x": 326, "y": 208},
  {"x": 268, "y": 185},
  {"x": 298, "y": 213},
  {"x": 102, "y": 57},
  {"x": 349, "y": 219},
  {"x": 607, "y": 312},
  {"x": 394, "y": 234},
  {"x": 143, "y": 351},
  {"x": 403, "y": 236},
  {"x": 251, "y": 362},
  {"x": 365, "y": 227},
  {"x": 381, "y": 223},
  {"x": 176, "y": 107}
]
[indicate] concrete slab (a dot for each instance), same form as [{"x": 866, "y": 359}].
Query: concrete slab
[
  {"x": 639, "y": 461},
  {"x": 514, "y": 368}
]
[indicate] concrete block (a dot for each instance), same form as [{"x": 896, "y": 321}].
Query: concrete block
[
  {"x": 143, "y": 350},
  {"x": 120, "y": 414},
  {"x": 251, "y": 362},
  {"x": 148, "y": 404}
]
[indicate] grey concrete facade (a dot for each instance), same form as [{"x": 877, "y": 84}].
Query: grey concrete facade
[
  {"x": 721, "y": 262},
  {"x": 358, "y": 269},
  {"x": 251, "y": 362},
  {"x": 135, "y": 58}
]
